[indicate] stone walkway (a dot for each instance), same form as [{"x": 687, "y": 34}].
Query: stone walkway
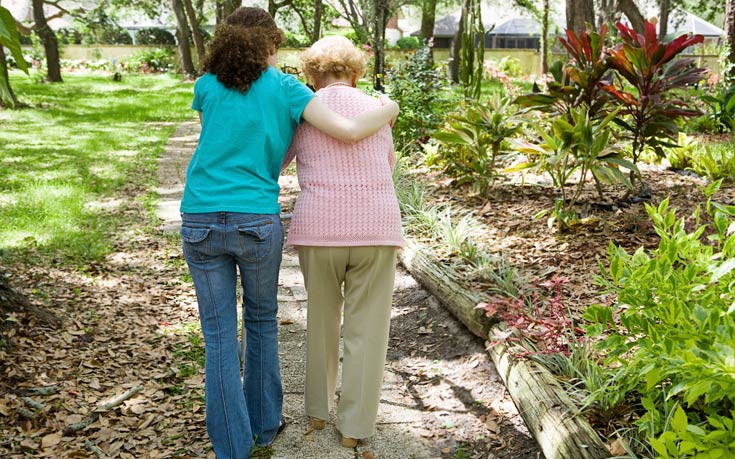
[{"x": 402, "y": 423}]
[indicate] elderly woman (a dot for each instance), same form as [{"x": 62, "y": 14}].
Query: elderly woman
[{"x": 347, "y": 229}]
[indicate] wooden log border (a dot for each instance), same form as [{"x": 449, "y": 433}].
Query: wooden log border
[{"x": 551, "y": 416}]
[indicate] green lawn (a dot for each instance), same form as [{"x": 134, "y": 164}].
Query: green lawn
[{"x": 78, "y": 147}]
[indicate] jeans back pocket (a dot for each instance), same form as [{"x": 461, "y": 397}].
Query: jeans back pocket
[
  {"x": 195, "y": 242},
  {"x": 255, "y": 239}
]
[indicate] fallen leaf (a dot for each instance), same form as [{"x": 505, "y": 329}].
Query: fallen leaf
[{"x": 51, "y": 440}]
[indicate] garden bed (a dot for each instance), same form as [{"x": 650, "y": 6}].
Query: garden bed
[{"x": 507, "y": 228}]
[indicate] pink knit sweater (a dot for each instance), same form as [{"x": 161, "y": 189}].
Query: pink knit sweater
[{"x": 347, "y": 196}]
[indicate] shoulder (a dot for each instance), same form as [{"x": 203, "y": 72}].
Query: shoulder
[{"x": 206, "y": 81}]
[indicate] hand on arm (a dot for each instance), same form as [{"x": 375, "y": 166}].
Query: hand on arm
[{"x": 349, "y": 130}]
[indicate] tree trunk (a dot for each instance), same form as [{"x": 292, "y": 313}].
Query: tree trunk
[
  {"x": 428, "y": 19},
  {"x": 4, "y": 70},
  {"x": 196, "y": 32},
  {"x": 446, "y": 286},
  {"x": 50, "y": 43},
  {"x": 454, "y": 55},
  {"x": 663, "y": 19},
  {"x": 559, "y": 428},
  {"x": 182, "y": 39},
  {"x": 225, "y": 8},
  {"x": 12, "y": 301},
  {"x": 579, "y": 13},
  {"x": 730, "y": 37},
  {"x": 381, "y": 10},
  {"x": 633, "y": 13},
  {"x": 545, "y": 39},
  {"x": 316, "y": 30}
]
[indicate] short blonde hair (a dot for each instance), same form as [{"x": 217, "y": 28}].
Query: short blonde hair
[{"x": 334, "y": 56}]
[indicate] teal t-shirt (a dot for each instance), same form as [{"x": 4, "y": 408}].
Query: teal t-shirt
[{"x": 244, "y": 138}]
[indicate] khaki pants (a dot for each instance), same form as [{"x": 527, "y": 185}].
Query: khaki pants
[{"x": 368, "y": 275}]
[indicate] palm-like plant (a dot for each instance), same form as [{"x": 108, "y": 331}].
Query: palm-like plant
[
  {"x": 579, "y": 81},
  {"x": 9, "y": 39},
  {"x": 650, "y": 66},
  {"x": 478, "y": 135}
]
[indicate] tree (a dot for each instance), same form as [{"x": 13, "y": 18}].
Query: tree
[
  {"x": 381, "y": 14},
  {"x": 196, "y": 31},
  {"x": 472, "y": 60},
  {"x": 663, "y": 18},
  {"x": 730, "y": 36},
  {"x": 428, "y": 19},
  {"x": 311, "y": 14},
  {"x": 316, "y": 30},
  {"x": 225, "y": 8},
  {"x": 609, "y": 12},
  {"x": 182, "y": 39},
  {"x": 9, "y": 39},
  {"x": 579, "y": 13},
  {"x": 455, "y": 50},
  {"x": 50, "y": 42},
  {"x": 356, "y": 12}
]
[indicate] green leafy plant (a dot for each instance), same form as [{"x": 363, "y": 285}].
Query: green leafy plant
[
  {"x": 650, "y": 67},
  {"x": 722, "y": 109},
  {"x": 579, "y": 81},
  {"x": 475, "y": 139},
  {"x": 418, "y": 86},
  {"x": 580, "y": 147},
  {"x": 671, "y": 334},
  {"x": 9, "y": 39},
  {"x": 151, "y": 60},
  {"x": 408, "y": 43},
  {"x": 154, "y": 36},
  {"x": 712, "y": 160}
]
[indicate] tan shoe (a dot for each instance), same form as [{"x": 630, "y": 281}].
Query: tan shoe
[
  {"x": 318, "y": 424},
  {"x": 348, "y": 442}
]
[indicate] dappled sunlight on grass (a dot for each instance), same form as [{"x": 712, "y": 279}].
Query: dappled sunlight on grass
[{"x": 80, "y": 142}]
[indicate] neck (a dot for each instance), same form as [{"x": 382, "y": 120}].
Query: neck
[{"x": 334, "y": 82}]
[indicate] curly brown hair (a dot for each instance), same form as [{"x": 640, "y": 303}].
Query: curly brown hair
[{"x": 239, "y": 51}]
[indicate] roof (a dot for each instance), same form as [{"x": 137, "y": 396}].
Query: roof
[
  {"x": 681, "y": 22},
  {"x": 517, "y": 26},
  {"x": 507, "y": 21}
]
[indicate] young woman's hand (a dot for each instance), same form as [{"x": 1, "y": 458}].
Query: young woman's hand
[{"x": 385, "y": 100}]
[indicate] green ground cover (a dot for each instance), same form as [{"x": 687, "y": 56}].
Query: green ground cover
[{"x": 64, "y": 158}]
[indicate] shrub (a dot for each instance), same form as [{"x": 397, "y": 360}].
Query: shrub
[
  {"x": 154, "y": 36},
  {"x": 474, "y": 141},
  {"x": 153, "y": 60},
  {"x": 722, "y": 109},
  {"x": 296, "y": 41},
  {"x": 649, "y": 66},
  {"x": 69, "y": 36},
  {"x": 418, "y": 87},
  {"x": 408, "y": 43},
  {"x": 670, "y": 338}
]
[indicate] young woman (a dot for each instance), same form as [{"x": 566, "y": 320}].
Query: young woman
[
  {"x": 347, "y": 228},
  {"x": 230, "y": 218}
]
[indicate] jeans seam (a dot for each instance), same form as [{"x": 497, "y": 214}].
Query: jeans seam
[
  {"x": 219, "y": 364},
  {"x": 260, "y": 348}
]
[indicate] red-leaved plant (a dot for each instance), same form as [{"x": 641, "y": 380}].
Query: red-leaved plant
[
  {"x": 578, "y": 81},
  {"x": 651, "y": 68}
]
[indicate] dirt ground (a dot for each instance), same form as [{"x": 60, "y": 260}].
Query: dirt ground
[
  {"x": 467, "y": 412},
  {"x": 129, "y": 323}
]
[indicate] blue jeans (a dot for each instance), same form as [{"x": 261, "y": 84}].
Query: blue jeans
[{"x": 215, "y": 245}]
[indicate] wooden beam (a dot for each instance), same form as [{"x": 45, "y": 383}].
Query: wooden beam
[{"x": 551, "y": 416}]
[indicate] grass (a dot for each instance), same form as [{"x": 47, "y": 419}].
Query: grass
[{"x": 76, "y": 147}]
